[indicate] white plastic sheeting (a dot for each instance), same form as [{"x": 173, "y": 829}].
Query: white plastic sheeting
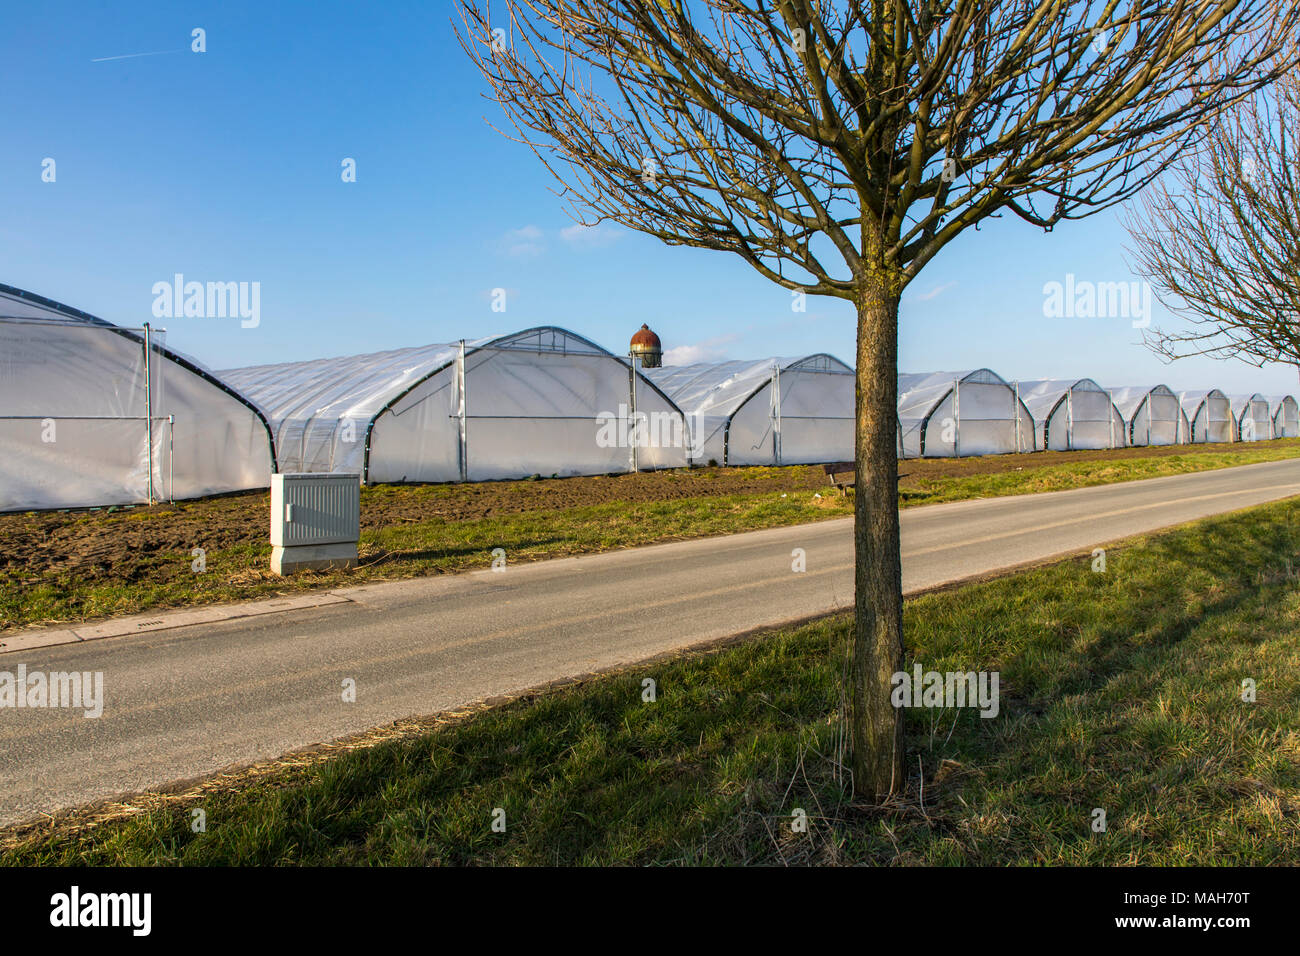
[
  {"x": 1209, "y": 415},
  {"x": 1072, "y": 414},
  {"x": 1252, "y": 418},
  {"x": 321, "y": 410},
  {"x": 1286, "y": 416},
  {"x": 950, "y": 414},
  {"x": 775, "y": 411},
  {"x": 541, "y": 401},
  {"x": 75, "y": 428},
  {"x": 1151, "y": 414}
]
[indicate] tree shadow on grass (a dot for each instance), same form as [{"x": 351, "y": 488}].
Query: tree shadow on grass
[{"x": 1096, "y": 709}]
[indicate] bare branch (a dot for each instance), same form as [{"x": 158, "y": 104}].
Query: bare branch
[
  {"x": 1219, "y": 236},
  {"x": 779, "y": 129}
]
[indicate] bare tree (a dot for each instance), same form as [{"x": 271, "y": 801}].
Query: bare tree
[
  {"x": 837, "y": 145},
  {"x": 1219, "y": 235}
]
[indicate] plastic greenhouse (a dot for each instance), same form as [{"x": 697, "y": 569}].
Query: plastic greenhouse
[
  {"x": 1209, "y": 414},
  {"x": 1072, "y": 415},
  {"x": 1286, "y": 416},
  {"x": 1252, "y": 418},
  {"x": 541, "y": 401},
  {"x": 90, "y": 415},
  {"x": 1152, "y": 415},
  {"x": 95, "y": 414},
  {"x": 780, "y": 411},
  {"x": 950, "y": 414}
]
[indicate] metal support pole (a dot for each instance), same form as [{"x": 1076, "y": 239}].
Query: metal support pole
[
  {"x": 171, "y": 457},
  {"x": 776, "y": 414},
  {"x": 148, "y": 405},
  {"x": 1110, "y": 414},
  {"x": 1069, "y": 420},
  {"x": 462, "y": 414},
  {"x": 1015, "y": 410},
  {"x": 634, "y": 464},
  {"x": 956, "y": 418}
]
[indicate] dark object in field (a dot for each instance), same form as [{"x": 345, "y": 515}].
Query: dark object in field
[{"x": 842, "y": 475}]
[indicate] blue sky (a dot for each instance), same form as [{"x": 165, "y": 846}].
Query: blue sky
[{"x": 225, "y": 166}]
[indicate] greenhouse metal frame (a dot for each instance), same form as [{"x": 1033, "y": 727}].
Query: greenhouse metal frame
[
  {"x": 1209, "y": 416},
  {"x": 976, "y": 412},
  {"x": 1152, "y": 415},
  {"x": 1286, "y": 416},
  {"x": 95, "y": 414},
  {"x": 778, "y": 411},
  {"x": 1072, "y": 414},
  {"x": 542, "y": 401},
  {"x": 1252, "y": 417}
]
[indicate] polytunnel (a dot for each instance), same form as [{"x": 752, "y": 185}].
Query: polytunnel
[
  {"x": 1209, "y": 416},
  {"x": 1152, "y": 415},
  {"x": 951, "y": 414},
  {"x": 1072, "y": 414},
  {"x": 542, "y": 401},
  {"x": 93, "y": 413},
  {"x": 1252, "y": 418},
  {"x": 779, "y": 411},
  {"x": 1286, "y": 416}
]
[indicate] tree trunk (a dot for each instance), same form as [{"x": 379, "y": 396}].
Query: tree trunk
[{"x": 875, "y": 726}]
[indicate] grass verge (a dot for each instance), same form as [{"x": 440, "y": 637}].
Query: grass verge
[
  {"x": 1120, "y": 690},
  {"x": 1028, "y": 480}
]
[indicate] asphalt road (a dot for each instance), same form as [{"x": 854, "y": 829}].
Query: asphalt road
[{"x": 187, "y": 701}]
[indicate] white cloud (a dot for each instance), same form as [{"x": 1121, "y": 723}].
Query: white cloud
[
  {"x": 934, "y": 293},
  {"x": 524, "y": 242},
  {"x": 590, "y": 236},
  {"x": 710, "y": 350}
]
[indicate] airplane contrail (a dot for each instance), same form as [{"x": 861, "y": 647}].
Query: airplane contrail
[{"x": 127, "y": 56}]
